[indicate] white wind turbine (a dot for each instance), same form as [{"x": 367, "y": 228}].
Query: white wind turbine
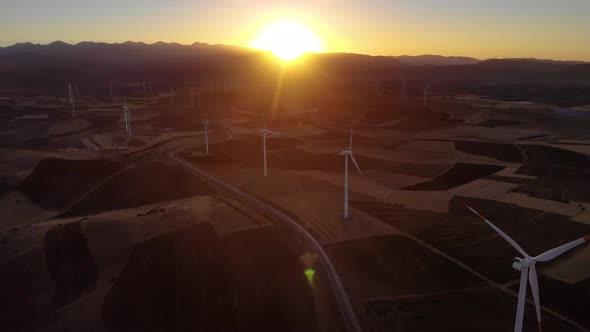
[
  {"x": 378, "y": 91},
  {"x": 403, "y": 89},
  {"x": 127, "y": 115},
  {"x": 347, "y": 154},
  {"x": 192, "y": 98},
  {"x": 206, "y": 124},
  {"x": 528, "y": 271},
  {"x": 265, "y": 132},
  {"x": 72, "y": 99}
]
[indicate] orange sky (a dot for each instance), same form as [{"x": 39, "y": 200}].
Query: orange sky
[{"x": 556, "y": 29}]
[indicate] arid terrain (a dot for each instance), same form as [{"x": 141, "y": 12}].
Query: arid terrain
[{"x": 105, "y": 231}]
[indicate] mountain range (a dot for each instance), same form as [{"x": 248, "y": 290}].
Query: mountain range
[{"x": 45, "y": 67}]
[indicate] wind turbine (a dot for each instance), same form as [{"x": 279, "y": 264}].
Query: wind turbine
[
  {"x": 265, "y": 132},
  {"x": 378, "y": 88},
  {"x": 347, "y": 154},
  {"x": 206, "y": 124},
  {"x": 403, "y": 89},
  {"x": 72, "y": 99},
  {"x": 193, "y": 98},
  {"x": 526, "y": 266},
  {"x": 425, "y": 92},
  {"x": 127, "y": 115}
]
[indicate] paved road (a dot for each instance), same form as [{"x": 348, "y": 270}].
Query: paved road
[{"x": 344, "y": 304}]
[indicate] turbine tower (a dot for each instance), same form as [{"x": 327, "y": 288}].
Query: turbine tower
[
  {"x": 378, "y": 88},
  {"x": 265, "y": 132},
  {"x": 72, "y": 99},
  {"x": 347, "y": 154},
  {"x": 127, "y": 115},
  {"x": 193, "y": 99},
  {"x": 403, "y": 89},
  {"x": 528, "y": 271},
  {"x": 425, "y": 92},
  {"x": 206, "y": 124}
]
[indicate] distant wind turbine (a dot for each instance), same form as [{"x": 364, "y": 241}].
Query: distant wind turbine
[
  {"x": 265, "y": 133},
  {"x": 72, "y": 99},
  {"x": 193, "y": 98},
  {"x": 127, "y": 115},
  {"x": 206, "y": 124},
  {"x": 378, "y": 88},
  {"x": 403, "y": 89},
  {"x": 526, "y": 266},
  {"x": 348, "y": 154},
  {"x": 425, "y": 92}
]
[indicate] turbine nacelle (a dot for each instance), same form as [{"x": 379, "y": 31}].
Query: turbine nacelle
[
  {"x": 267, "y": 132},
  {"x": 522, "y": 263}
]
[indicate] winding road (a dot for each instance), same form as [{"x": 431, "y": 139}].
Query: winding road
[{"x": 346, "y": 308}]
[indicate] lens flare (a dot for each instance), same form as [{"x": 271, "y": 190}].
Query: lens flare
[{"x": 309, "y": 273}]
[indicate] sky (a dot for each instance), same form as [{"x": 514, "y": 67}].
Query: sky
[{"x": 550, "y": 29}]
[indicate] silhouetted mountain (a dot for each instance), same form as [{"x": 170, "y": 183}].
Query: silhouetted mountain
[
  {"x": 103, "y": 53},
  {"x": 575, "y": 72},
  {"x": 352, "y": 64},
  {"x": 48, "y": 68},
  {"x": 557, "y": 62},
  {"x": 436, "y": 60},
  {"x": 530, "y": 65}
]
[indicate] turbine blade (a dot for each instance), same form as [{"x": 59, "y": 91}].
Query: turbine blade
[
  {"x": 555, "y": 252},
  {"x": 521, "y": 300},
  {"x": 355, "y": 164},
  {"x": 499, "y": 231},
  {"x": 535, "y": 290},
  {"x": 350, "y": 145}
]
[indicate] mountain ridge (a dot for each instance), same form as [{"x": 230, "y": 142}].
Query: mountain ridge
[{"x": 412, "y": 60}]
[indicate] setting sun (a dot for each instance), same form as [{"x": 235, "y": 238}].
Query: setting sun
[{"x": 288, "y": 40}]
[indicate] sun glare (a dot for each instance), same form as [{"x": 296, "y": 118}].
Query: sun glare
[{"x": 288, "y": 40}]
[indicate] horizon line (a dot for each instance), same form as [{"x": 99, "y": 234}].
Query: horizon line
[{"x": 255, "y": 49}]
